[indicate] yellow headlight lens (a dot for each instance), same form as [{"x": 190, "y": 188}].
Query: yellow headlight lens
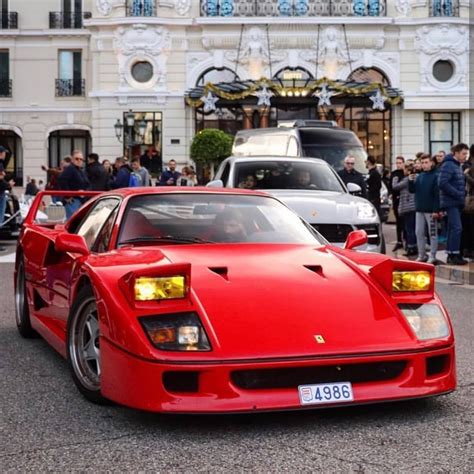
[
  {"x": 411, "y": 281},
  {"x": 162, "y": 288}
]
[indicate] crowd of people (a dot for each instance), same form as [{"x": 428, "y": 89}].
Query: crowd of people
[
  {"x": 74, "y": 174},
  {"x": 433, "y": 200}
]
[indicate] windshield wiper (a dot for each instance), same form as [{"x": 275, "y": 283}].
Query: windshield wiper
[{"x": 167, "y": 238}]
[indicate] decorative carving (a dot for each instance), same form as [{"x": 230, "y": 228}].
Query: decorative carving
[
  {"x": 403, "y": 7},
  {"x": 182, "y": 7},
  {"x": 104, "y": 7},
  {"x": 443, "y": 42},
  {"x": 142, "y": 43}
]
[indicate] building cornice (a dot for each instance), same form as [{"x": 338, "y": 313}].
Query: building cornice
[
  {"x": 47, "y": 32},
  {"x": 28, "y": 109},
  {"x": 124, "y": 21},
  {"x": 434, "y": 101},
  {"x": 316, "y": 20}
]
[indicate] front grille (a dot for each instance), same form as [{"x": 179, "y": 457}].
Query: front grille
[
  {"x": 292, "y": 378},
  {"x": 437, "y": 365},
  {"x": 334, "y": 232},
  {"x": 372, "y": 232}
]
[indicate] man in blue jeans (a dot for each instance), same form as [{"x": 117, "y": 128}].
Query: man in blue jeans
[{"x": 452, "y": 188}]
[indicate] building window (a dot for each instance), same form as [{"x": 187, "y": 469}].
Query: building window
[
  {"x": 71, "y": 15},
  {"x": 8, "y": 19},
  {"x": 5, "y": 81},
  {"x": 442, "y": 131},
  {"x": 443, "y": 71},
  {"x": 142, "y": 71},
  {"x": 444, "y": 8},
  {"x": 63, "y": 142},
  {"x": 141, "y": 8},
  {"x": 70, "y": 81}
]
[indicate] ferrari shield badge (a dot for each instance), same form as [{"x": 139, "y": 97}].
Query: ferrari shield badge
[{"x": 319, "y": 339}]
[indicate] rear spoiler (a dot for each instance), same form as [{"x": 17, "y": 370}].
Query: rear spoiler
[{"x": 39, "y": 199}]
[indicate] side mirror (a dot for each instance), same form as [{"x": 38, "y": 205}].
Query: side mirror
[
  {"x": 216, "y": 183},
  {"x": 355, "y": 239},
  {"x": 353, "y": 188},
  {"x": 72, "y": 243}
]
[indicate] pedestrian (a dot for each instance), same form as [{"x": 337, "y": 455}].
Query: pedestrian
[
  {"x": 350, "y": 175},
  {"x": 170, "y": 176},
  {"x": 452, "y": 185},
  {"x": 4, "y": 186},
  {"x": 3, "y": 158},
  {"x": 406, "y": 209},
  {"x": 425, "y": 187},
  {"x": 374, "y": 183},
  {"x": 398, "y": 173},
  {"x": 96, "y": 173},
  {"x": 141, "y": 171},
  {"x": 31, "y": 188},
  {"x": 187, "y": 178},
  {"x": 467, "y": 238},
  {"x": 123, "y": 169},
  {"x": 73, "y": 178},
  {"x": 440, "y": 155}
]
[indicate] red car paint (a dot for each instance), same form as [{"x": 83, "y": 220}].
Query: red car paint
[{"x": 263, "y": 310}]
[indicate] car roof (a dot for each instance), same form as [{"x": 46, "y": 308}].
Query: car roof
[
  {"x": 295, "y": 159},
  {"x": 147, "y": 190}
]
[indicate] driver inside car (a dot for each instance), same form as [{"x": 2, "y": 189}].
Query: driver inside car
[
  {"x": 303, "y": 180},
  {"x": 229, "y": 227}
]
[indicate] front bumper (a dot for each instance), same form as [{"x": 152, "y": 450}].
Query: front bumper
[{"x": 145, "y": 384}]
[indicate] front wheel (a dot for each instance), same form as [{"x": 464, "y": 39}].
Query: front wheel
[{"x": 83, "y": 348}]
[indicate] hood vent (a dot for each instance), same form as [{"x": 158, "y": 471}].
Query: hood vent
[
  {"x": 221, "y": 271},
  {"x": 315, "y": 269}
]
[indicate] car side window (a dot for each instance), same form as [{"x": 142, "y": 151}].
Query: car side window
[
  {"x": 94, "y": 221},
  {"x": 103, "y": 240},
  {"x": 225, "y": 174}
]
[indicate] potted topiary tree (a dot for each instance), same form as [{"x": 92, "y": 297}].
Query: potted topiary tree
[{"x": 208, "y": 148}]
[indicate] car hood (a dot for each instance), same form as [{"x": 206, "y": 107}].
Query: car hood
[
  {"x": 277, "y": 300},
  {"x": 324, "y": 207}
]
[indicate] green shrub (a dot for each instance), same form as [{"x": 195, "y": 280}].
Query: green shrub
[{"x": 210, "y": 146}]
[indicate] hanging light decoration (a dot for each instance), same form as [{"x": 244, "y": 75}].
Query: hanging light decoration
[
  {"x": 264, "y": 96},
  {"x": 378, "y": 101},
  {"x": 324, "y": 95},
  {"x": 209, "y": 102}
]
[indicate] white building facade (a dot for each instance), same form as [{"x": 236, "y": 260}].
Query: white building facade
[{"x": 70, "y": 69}]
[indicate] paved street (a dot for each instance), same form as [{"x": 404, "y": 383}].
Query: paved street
[{"x": 46, "y": 425}]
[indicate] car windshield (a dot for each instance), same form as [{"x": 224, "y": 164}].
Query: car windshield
[
  {"x": 334, "y": 155},
  {"x": 294, "y": 174},
  {"x": 211, "y": 218}
]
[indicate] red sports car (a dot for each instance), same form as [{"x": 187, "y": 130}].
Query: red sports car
[{"x": 211, "y": 300}]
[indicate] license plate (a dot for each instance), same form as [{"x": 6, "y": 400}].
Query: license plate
[{"x": 326, "y": 393}]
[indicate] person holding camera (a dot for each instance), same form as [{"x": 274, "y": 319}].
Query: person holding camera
[{"x": 406, "y": 208}]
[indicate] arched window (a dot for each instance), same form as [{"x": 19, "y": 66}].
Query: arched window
[
  {"x": 216, "y": 75},
  {"x": 363, "y": 74},
  {"x": 293, "y": 77}
]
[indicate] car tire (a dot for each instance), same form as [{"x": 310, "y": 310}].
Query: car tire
[
  {"x": 22, "y": 311},
  {"x": 82, "y": 342}
]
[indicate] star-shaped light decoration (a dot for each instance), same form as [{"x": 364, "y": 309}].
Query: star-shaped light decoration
[
  {"x": 324, "y": 95},
  {"x": 264, "y": 96},
  {"x": 378, "y": 101},
  {"x": 209, "y": 102}
]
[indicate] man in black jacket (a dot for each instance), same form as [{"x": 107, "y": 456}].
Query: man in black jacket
[
  {"x": 73, "y": 178},
  {"x": 98, "y": 178},
  {"x": 374, "y": 182},
  {"x": 398, "y": 173},
  {"x": 349, "y": 175}
]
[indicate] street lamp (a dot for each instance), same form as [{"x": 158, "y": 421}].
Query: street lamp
[{"x": 130, "y": 138}]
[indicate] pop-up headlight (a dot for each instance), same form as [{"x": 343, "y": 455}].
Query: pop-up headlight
[
  {"x": 176, "y": 332},
  {"x": 411, "y": 281},
  {"x": 160, "y": 288}
]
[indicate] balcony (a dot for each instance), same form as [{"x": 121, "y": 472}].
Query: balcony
[
  {"x": 5, "y": 87},
  {"x": 8, "y": 21},
  {"x": 141, "y": 8},
  {"x": 292, "y": 8},
  {"x": 67, "y": 20},
  {"x": 70, "y": 87},
  {"x": 445, "y": 8}
]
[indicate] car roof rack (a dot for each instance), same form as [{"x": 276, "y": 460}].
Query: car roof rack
[{"x": 308, "y": 123}]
